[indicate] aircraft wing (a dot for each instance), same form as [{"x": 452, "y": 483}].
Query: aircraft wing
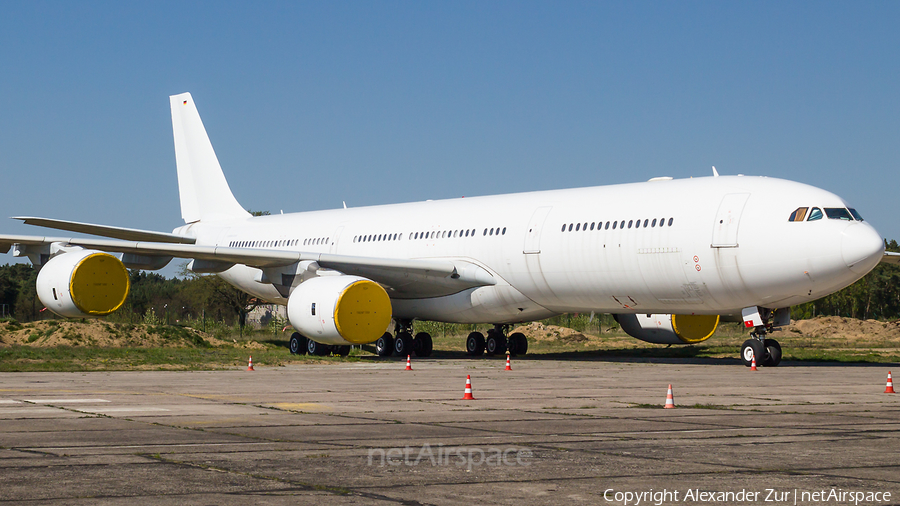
[
  {"x": 891, "y": 258},
  {"x": 406, "y": 277},
  {"x": 128, "y": 234}
]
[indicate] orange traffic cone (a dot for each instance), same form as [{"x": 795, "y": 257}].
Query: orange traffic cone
[
  {"x": 408, "y": 366},
  {"x": 889, "y": 389},
  {"x": 508, "y": 368},
  {"x": 467, "y": 396},
  {"x": 753, "y": 363},
  {"x": 250, "y": 365},
  {"x": 670, "y": 399}
]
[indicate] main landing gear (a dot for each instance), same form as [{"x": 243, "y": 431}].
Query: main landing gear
[
  {"x": 496, "y": 343},
  {"x": 404, "y": 343},
  {"x": 299, "y": 344},
  {"x": 766, "y": 351}
]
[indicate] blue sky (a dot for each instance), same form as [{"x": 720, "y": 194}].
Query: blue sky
[{"x": 312, "y": 104}]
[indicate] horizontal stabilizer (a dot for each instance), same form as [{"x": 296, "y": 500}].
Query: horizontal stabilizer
[{"x": 127, "y": 234}]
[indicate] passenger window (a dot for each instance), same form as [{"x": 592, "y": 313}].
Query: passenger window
[
  {"x": 654, "y": 223},
  {"x": 838, "y": 213},
  {"x": 622, "y": 224},
  {"x": 584, "y": 227},
  {"x": 815, "y": 214},
  {"x": 592, "y": 225},
  {"x": 504, "y": 230},
  {"x": 607, "y": 226},
  {"x": 670, "y": 221},
  {"x": 577, "y": 227},
  {"x": 637, "y": 224},
  {"x": 312, "y": 309},
  {"x": 614, "y": 224},
  {"x": 630, "y": 222},
  {"x": 645, "y": 223}
]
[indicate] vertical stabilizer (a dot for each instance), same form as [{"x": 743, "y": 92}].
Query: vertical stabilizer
[{"x": 204, "y": 192}]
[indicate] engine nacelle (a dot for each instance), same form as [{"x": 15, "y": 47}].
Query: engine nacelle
[
  {"x": 83, "y": 283},
  {"x": 669, "y": 328},
  {"x": 340, "y": 310}
]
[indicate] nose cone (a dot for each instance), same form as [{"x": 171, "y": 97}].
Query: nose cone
[{"x": 861, "y": 247}]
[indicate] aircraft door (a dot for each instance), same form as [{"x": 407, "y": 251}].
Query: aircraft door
[
  {"x": 335, "y": 240},
  {"x": 725, "y": 228},
  {"x": 533, "y": 234}
]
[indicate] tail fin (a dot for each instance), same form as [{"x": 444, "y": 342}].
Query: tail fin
[{"x": 204, "y": 192}]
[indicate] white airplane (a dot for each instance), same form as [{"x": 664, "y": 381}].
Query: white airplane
[{"x": 668, "y": 258}]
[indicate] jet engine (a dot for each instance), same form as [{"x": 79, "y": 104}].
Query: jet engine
[
  {"x": 669, "y": 328},
  {"x": 83, "y": 283},
  {"x": 340, "y": 310}
]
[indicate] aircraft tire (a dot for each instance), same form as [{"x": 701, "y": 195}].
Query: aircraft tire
[
  {"x": 422, "y": 344},
  {"x": 384, "y": 346},
  {"x": 342, "y": 350},
  {"x": 774, "y": 356},
  {"x": 753, "y": 348},
  {"x": 317, "y": 349},
  {"x": 495, "y": 344},
  {"x": 403, "y": 344},
  {"x": 518, "y": 344},
  {"x": 297, "y": 344},
  {"x": 475, "y": 344}
]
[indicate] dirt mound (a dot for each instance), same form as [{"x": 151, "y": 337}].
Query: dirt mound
[
  {"x": 51, "y": 333},
  {"x": 540, "y": 332},
  {"x": 848, "y": 329}
]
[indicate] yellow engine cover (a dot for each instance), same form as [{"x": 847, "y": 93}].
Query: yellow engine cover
[
  {"x": 694, "y": 328},
  {"x": 99, "y": 284},
  {"x": 361, "y": 311}
]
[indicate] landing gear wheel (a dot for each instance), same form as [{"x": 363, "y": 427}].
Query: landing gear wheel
[
  {"x": 496, "y": 343},
  {"x": 342, "y": 350},
  {"x": 422, "y": 344},
  {"x": 774, "y": 356},
  {"x": 384, "y": 346},
  {"x": 752, "y": 348},
  {"x": 518, "y": 344},
  {"x": 475, "y": 344},
  {"x": 403, "y": 345},
  {"x": 318, "y": 349},
  {"x": 297, "y": 344}
]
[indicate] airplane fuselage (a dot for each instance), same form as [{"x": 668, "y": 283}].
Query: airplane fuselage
[{"x": 709, "y": 245}]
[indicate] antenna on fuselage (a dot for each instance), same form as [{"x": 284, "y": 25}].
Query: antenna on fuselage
[{"x": 715, "y": 172}]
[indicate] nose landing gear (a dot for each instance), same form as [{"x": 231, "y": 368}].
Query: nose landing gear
[{"x": 763, "y": 321}]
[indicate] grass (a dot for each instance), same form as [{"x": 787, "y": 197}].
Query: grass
[
  {"x": 86, "y": 358},
  {"x": 196, "y": 354}
]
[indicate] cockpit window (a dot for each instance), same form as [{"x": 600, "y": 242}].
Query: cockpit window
[
  {"x": 815, "y": 214},
  {"x": 799, "y": 214},
  {"x": 838, "y": 213},
  {"x": 855, "y": 214}
]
